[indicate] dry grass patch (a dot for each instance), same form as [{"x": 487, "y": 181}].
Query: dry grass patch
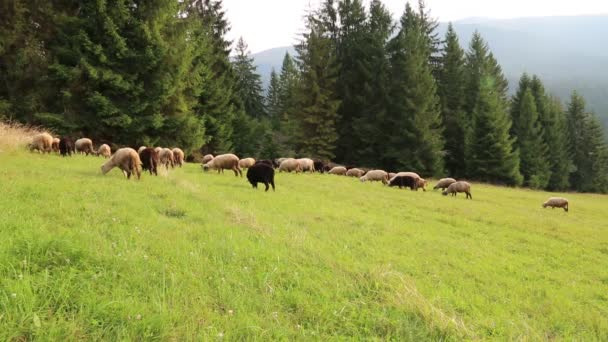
[{"x": 14, "y": 136}]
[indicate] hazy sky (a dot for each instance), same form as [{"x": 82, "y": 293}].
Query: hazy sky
[{"x": 266, "y": 24}]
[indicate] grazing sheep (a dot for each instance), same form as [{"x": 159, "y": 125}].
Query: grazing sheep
[
  {"x": 84, "y": 145},
  {"x": 444, "y": 183},
  {"x": 178, "y": 156},
  {"x": 327, "y": 167},
  {"x": 246, "y": 163},
  {"x": 354, "y": 172},
  {"x": 457, "y": 187},
  {"x": 375, "y": 176},
  {"x": 408, "y": 174},
  {"x": 289, "y": 164},
  {"x": 224, "y": 162},
  {"x": 207, "y": 158},
  {"x": 404, "y": 181},
  {"x": 261, "y": 173},
  {"x": 166, "y": 157},
  {"x": 127, "y": 160},
  {"x": 319, "y": 165},
  {"x": 141, "y": 148},
  {"x": 556, "y": 202},
  {"x": 66, "y": 146},
  {"x": 338, "y": 170},
  {"x": 42, "y": 142},
  {"x": 55, "y": 145},
  {"x": 104, "y": 150},
  {"x": 306, "y": 164},
  {"x": 150, "y": 160}
]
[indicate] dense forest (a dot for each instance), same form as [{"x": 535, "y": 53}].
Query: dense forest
[{"x": 363, "y": 88}]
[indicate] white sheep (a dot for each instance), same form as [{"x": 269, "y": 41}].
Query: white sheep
[
  {"x": 84, "y": 145},
  {"x": 223, "y": 162},
  {"x": 127, "y": 160},
  {"x": 375, "y": 176},
  {"x": 556, "y": 202}
]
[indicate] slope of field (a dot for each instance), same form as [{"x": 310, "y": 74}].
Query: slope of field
[{"x": 194, "y": 256}]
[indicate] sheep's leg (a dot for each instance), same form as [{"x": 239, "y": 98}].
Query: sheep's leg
[
  {"x": 469, "y": 195},
  {"x": 267, "y": 187},
  {"x": 566, "y": 208}
]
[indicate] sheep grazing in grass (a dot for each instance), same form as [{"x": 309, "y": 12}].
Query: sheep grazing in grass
[
  {"x": 330, "y": 165},
  {"x": 207, "y": 158},
  {"x": 444, "y": 183},
  {"x": 338, "y": 170},
  {"x": 84, "y": 145},
  {"x": 104, "y": 151},
  {"x": 261, "y": 173},
  {"x": 355, "y": 172},
  {"x": 224, "y": 162},
  {"x": 166, "y": 157},
  {"x": 55, "y": 145},
  {"x": 246, "y": 163},
  {"x": 66, "y": 146},
  {"x": 404, "y": 181},
  {"x": 42, "y": 142},
  {"x": 141, "y": 148},
  {"x": 556, "y": 202},
  {"x": 127, "y": 160},
  {"x": 149, "y": 160},
  {"x": 457, "y": 187},
  {"x": 178, "y": 156},
  {"x": 306, "y": 164},
  {"x": 375, "y": 176},
  {"x": 289, "y": 164}
]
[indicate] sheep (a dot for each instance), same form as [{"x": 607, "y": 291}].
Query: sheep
[
  {"x": 42, "y": 142},
  {"x": 421, "y": 184},
  {"x": 289, "y": 164},
  {"x": 556, "y": 202},
  {"x": 407, "y": 174},
  {"x": 319, "y": 165},
  {"x": 166, "y": 157},
  {"x": 55, "y": 145},
  {"x": 150, "y": 160},
  {"x": 246, "y": 163},
  {"x": 104, "y": 150},
  {"x": 224, "y": 162},
  {"x": 178, "y": 156},
  {"x": 306, "y": 164},
  {"x": 354, "y": 172},
  {"x": 66, "y": 146},
  {"x": 338, "y": 170},
  {"x": 444, "y": 183},
  {"x": 457, "y": 187},
  {"x": 375, "y": 176},
  {"x": 207, "y": 158},
  {"x": 261, "y": 173},
  {"x": 141, "y": 148},
  {"x": 404, "y": 181},
  {"x": 127, "y": 160},
  {"x": 84, "y": 145},
  {"x": 327, "y": 167}
]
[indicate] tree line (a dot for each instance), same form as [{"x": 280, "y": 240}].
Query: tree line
[{"x": 362, "y": 89}]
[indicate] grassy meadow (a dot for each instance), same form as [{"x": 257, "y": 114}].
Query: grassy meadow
[{"x": 200, "y": 256}]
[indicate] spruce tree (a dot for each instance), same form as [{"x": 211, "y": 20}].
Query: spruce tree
[
  {"x": 451, "y": 90},
  {"x": 316, "y": 99},
  {"x": 273, "y": 98},
  {"x": 248, "y": 88},
  {"x": 287, "y": 107}
]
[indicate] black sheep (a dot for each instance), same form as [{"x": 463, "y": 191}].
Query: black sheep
[
  {"x": 66, "y": 146},
  {"x": 319, "y": 165},
  {"x": 404, "y": 181},
  {"x": 149, "y": 160},
  {"x": 261, "y": 173}
]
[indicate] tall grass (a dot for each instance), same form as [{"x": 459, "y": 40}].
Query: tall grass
[{"x": 15, "y": 136}]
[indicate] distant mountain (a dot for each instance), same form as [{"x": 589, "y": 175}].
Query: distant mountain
[{"x": 568, "y": 53}]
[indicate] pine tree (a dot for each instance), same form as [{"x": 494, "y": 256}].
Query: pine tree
[
  {"x": 287, "y": 108},
  {"x": 273, "y": 99},
  {"x": 451, "y": 90},
  {"x": 316, "y": 100},
  {"x": 248, "y": 87},
  {"x": 491, "y": 154}
]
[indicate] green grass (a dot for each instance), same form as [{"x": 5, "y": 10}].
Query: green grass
[{"x": 194, "y": 256}]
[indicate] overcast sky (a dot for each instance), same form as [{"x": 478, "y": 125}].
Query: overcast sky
[{"x": 265, "y": 24}]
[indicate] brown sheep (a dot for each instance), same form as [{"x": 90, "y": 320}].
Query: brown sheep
[
  {"x": 55, "y": 145},
  {"x": 149, "y": 160},
  {"x": 375, "y": 176},
  {"x": 289, "y": 164},
  {"x": 306, "y": 164},
  {"x": 207, "y": 158},
  {"x": 246, "y": 163},
  {"x": 42, "y": 142},
  {"x": 457, "y": 187},
  {"x": 338, "y": 170},
  {"x": 84, "y": 145},
  {"x": 224, "y": 162},
  {"x": 127, "y": 160},
  {"x": 178, "y": 156},
  {"x": 556, "y": 202},
  {"x": 166, "y": 157},
  {"x": 444, "y": 183},
  {"x": 104, "y": 151},
  {"x": 355, "y": 172}
]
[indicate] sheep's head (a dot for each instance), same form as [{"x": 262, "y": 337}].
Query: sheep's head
[
  {"x": 545, "y": 205},
  {"x": 205, "y": 167},
  {"x": 107, "y": 166}
]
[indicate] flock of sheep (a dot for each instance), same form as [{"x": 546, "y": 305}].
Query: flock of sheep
[{"x": 261, "y": 171}]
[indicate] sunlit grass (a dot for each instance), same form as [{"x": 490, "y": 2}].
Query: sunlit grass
[{"x": 192, "y": 255}]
